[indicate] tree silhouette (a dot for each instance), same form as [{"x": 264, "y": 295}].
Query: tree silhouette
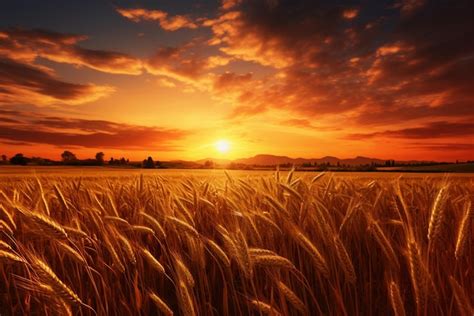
[
  {"x": 209, "y": 164},
  {"x": 100, "y": 157},
  {"x": 19, "y": 159},
  {"x": 148, "y": 163},
  {"x": 68, "y": 157},
  {"x": 4, "y": 158}
]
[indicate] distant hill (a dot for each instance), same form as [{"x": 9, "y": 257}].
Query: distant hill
[
  {"x": 278, "y": 160},
  {"x": 217, "y": 161}
]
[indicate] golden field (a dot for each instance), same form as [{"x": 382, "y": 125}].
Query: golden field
[{"x": 115, "y": 242}]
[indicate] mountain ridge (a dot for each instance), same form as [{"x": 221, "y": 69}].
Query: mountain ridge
[{"x": 268, "y": 159}]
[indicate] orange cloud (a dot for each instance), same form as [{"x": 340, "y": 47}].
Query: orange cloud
[
  {"x": 173, "y": 62},
  {"x": 235, "y": 40},
  {"x": 28, "y": 45},
  {"x": 183, "y": 64},
  {"x": 350, "y": 13},
  {"x": 31, "y": 128},
  {"x": 29, "y": 84},
  {"x": 229, "y": 4},
  {"x": 408, "y": 7},
  {"x": 326, "y": 69},
  {"x": 432, "y": 130},
  {"x": 230, "y": 80},
  {"x": 168, "y": 23}
]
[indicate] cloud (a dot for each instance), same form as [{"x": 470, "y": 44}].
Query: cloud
[
  {"x": 350, "y": 14},
  {"x": 30, "y": 84},
  {"x": 244, "y": 111},
  {"x": 175, "y": 63},
  {"x": 184, "y": 64},
  {"x": 29, "y": 44},
  {"x": 168, "y": 23},
  {"x": 408, "y": 7},
  {"x": 406, "y": 63},
  {"x": 229, "y": 4},
  {"x": 445, "y": 147},
  {"x": 316, "y": 59},
  {"x": 432, "y": 130},
  {"x": 253, "y": 31},
  {"x": 231, "y": 81},
  {"x": 63, "y": 132}
]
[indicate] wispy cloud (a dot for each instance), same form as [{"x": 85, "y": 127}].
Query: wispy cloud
[
  {"x": 431, "y": 130},
  {"x": 167, "y": 22},
  {"x": 31, "y": 128},
  {"x": 29, "y": 44},
  {"x": 23, "y": 83}
]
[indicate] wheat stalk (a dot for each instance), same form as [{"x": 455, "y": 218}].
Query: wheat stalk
[
  {"x": 184, "y": 272},
  {"x": 437, "y": 215},
  {"x": 218, "y": 252},
  {"x": 155, "y": 224},
  {"x": 345, "y": 260},
  {"x": 384, "y": 243},
  {"x": 292, "y": 298},
  {"x": 264, "y": 308},
  {"x": 142, "y": 230},
  {"x": 318, "y": 259},
  {"x": 45, "y": 272},
  {"x": 115, "y": 257},
  {"x": 462, "y": 300},
  {"x": 179, "y": 224},
  {"x": 128, "y": 249},
  {"x": 5, "y": 246},
  {"x": 47, "y": 224},
  {"x": 273, "y": 261},
  {"x": 5, "y": 227},
  {"x": 464, "y": 231},
  {"x": 152, "y": 261},
  {"x": 187, "y": 305},
  {"x": 396, "y": 299},
  {"x": 418, "y": 275},
  {"x": 116, "y": 220},
  {"x": 160, "y": 304},
  {"x": 8, "y": 257},
  {"x": 71, "y": 252},
  {"x": 7, "y": 216}
]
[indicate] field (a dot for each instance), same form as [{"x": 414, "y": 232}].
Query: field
[{"x": 97, "y": 241}]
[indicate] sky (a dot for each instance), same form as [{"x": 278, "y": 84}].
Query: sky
[{"x": 235, "y": 78}]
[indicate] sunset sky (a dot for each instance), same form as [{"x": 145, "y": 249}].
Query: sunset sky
[{"x": 181, "y": 79}]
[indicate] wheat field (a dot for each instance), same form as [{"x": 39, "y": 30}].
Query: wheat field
[{"x": 236, "y": 244}]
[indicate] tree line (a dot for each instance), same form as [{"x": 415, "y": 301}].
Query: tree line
[{"x": 68, "y": 158}]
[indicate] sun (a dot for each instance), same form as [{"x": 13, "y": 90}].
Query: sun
[{"x": 222, "y": 146}]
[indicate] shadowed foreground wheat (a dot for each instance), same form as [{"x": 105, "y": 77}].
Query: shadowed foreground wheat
[{"x": 237, "y": 245}]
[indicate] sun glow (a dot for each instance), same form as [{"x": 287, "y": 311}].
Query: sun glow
[{"x": 222, "y": 146}]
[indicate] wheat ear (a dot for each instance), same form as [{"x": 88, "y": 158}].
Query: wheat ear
[
  {"x": 46, "y": 273},
  {"x": 396, "y": 299},
  {"x": 152, "y": 261},
  {"x": 292, "y": 298},
  {"x": 345, "y": 260},
  {"x": 464, "y": 231},
  {"x": 162, "y": 306},
  {"x": 437, "y": 215}
]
